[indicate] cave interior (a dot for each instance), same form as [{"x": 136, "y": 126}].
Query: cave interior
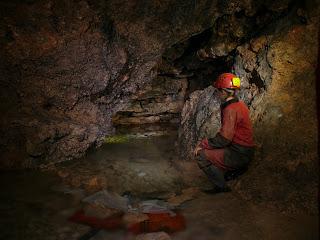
[{"x": 103, "y": 103}]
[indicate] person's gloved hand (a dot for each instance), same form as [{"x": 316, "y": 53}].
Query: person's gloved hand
[{"x": 197, "y": 149}]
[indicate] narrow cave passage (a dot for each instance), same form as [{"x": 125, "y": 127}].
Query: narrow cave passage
[
  {"x": 103, "y": 103},
  {"x": 156, "y": 108}
]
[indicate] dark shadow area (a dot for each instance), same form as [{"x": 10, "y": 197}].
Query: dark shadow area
[
  {"x": 256, "y": 80},
  {"x": 184, "y": 59}
]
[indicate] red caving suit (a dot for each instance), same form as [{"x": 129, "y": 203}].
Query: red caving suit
[{"x": 233, "y": 146}]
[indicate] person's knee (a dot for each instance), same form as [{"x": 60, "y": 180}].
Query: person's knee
[
  {"x": 202, "y": 154},
  {"x": 202, "y": 160}
]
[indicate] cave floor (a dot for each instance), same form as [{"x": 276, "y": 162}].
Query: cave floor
[
  {"x": 37, "y": 204},
  {"x": 34, "y": 207},
  {"x": 139, "y": 165}
]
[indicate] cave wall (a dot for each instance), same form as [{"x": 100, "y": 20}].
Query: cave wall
[
  {"x": 52, "y": 63},
  {"x": 67, "y": 66},
  {"x": 159, "y": 103},
  {"x": 278, "y": 72},
  {"x": 286, "y": 171}
]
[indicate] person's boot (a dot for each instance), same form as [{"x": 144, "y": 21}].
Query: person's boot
[{"x": 217, "y": 189}]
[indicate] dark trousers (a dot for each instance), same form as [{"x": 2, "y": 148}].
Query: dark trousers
[{"x": 215, "y": 175}]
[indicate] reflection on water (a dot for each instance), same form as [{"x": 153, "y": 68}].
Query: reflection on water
[
  {"x": 35, "y": 205},
  {"x": 140, "y": 165},
  {"x": 31, "y": 208},
  {"x": 153, "y": 148}
]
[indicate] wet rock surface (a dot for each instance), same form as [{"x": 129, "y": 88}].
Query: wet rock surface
[
  {"x": 140, "y": 166},
  {"x": 32, "y": 208},
  {"x": 38, "y": 209}
]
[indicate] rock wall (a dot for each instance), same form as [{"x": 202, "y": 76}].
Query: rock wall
[
  {"x": 278, "y": 73},
  {"x": 160, "y": 102},
  {"x": 52, "y": 63},
  {"x": 286, "y": 170},
  {"x": 67, "y": 66}
]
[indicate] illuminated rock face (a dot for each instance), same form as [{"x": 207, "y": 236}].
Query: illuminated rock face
[
  {"x": 279, "y": 80},
  {"x": 286, "y": 170}
]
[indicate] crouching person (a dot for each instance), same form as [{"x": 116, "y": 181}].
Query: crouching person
[{"x": 232, "y": 148}]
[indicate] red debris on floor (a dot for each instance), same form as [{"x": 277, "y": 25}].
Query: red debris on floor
[
  {"x": 110, "y": 223},
  {"x": 166, "y": 222}
]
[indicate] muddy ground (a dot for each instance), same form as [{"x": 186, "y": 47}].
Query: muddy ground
[
  {"x": 41, "y": 212},
  {"x": 37, "y": 205}
]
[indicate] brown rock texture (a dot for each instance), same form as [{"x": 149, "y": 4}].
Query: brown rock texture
[
  {"x": 286, "y": 169},
  {"x": 52, "y": 64},
  {"x": 68, "y": 66},
  {"x": 200, "y": 117},
  {"x": 278, "y": 76},
  {"x": 161, "y": 101}
]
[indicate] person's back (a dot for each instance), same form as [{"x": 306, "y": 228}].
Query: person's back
[
  {"x": 232, "y": 148},
  {"x": 243, "y": 133}
]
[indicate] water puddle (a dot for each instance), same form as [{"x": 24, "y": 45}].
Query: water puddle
[
  {"x": 140, "y": 164},
  {"x": 38, "y": 205},
  {"x": 32, "y": 209}
]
